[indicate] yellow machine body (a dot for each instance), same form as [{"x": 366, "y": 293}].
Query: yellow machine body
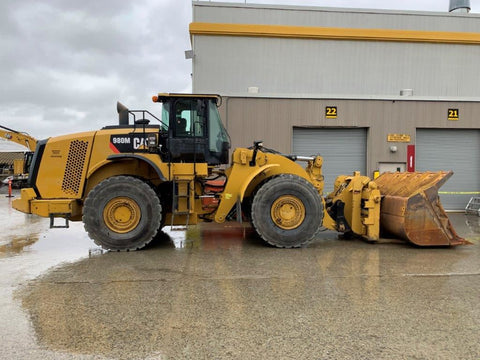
[
  {"x": 355, "y": 206},
  {"x": 18, "y": 166},
  {"x": 124, "y": 181},
  {"x": 73, "y": 165}
]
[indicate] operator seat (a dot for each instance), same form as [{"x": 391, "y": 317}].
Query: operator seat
[{"x": 181, "y": 129}]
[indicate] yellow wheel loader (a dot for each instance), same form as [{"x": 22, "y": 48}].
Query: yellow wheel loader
[{"x": 129, "y": 180}]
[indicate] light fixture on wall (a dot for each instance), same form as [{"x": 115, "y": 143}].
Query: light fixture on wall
[
  {"x": 189, "y": 54},
  {"x": 393, "y": 149},
  {"x": 406, "y": 92}
]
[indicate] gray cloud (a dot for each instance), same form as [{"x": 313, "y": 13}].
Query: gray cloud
[{"x": 65, "y": 64}]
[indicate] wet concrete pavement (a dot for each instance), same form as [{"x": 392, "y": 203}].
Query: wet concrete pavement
[{"x": 218, "y": 293}]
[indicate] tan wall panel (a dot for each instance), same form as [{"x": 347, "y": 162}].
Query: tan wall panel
[{"x": 272, "y": 120}]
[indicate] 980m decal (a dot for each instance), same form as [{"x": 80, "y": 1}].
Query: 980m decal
[{"x": 128, "y": 143}]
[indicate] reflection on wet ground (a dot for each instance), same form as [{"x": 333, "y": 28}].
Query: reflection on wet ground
[
  {"x": 218, "y": 292},
  {"x": 17, "y": 237},
  {"x": 211, "y": 236},
  {"x": 472, "y": 223}
]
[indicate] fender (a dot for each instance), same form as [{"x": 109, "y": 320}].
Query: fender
[
  {"x": 138, "y": 157},
  {"x": 233, "y": 191},
  {"x": 96, "y": 174},
  {"x": 252, "y": 176}
]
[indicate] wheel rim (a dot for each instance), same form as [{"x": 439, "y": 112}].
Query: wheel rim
[
  {"x": 288, "y": 212},
  {"x": 121, "y": 214}
]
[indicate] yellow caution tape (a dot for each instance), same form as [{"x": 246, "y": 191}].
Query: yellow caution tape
[{"x": 459, "y": 192}]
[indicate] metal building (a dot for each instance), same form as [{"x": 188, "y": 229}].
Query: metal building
[{"x": 368, "y": 89}]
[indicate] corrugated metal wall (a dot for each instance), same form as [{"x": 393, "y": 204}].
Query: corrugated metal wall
[
  {"x": 229, "y": 65},
  {"x": 273, "y": 119},
  {"x": 204, "y": 11},
  {"x": 343, "y": 150},
  {"x": 457, "y": 150},
  {"x": 298, "y": 78},
  {"x": 7, "y": 158}
]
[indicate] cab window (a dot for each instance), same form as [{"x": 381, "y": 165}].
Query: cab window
[{"x": 188, "y": 123}]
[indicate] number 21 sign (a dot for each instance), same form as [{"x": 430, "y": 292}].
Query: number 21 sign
[{"x": 453, "y": 114}]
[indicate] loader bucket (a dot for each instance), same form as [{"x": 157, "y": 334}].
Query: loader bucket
[{"x": 411, "y": 209}]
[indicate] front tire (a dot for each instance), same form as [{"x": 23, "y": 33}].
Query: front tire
[
  {"x": 287, "y": 211},
  {"x": 122, "y": 213}
]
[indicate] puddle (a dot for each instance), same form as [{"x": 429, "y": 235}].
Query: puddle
[{"x": 217, "y": 291}]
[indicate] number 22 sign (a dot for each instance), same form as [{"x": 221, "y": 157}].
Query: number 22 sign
[{"x": 331, "y": 112}]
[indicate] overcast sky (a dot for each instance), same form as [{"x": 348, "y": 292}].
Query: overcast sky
[{"x": 64, "y": 64}]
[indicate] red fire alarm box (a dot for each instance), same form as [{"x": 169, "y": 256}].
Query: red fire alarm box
[{"x": 411, "y": 158}]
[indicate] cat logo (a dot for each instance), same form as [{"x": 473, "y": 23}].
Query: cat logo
[
  {"x": 128, "y": 143},
  {"x": 139, "y": 143}
]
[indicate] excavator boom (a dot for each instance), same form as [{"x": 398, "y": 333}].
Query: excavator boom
[{"x": 18, "y": 137}]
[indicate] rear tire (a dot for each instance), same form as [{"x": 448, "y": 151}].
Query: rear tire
[
  {"x": 287, "y": 211},
  {"x": 122, "y": 213}
]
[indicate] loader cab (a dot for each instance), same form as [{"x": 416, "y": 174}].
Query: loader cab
[{"x": 195, "y": 133}]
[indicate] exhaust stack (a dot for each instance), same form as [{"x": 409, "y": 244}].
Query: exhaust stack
[
  {"x": 459, "y": 6},
  {"x": 122, "y": 114}
]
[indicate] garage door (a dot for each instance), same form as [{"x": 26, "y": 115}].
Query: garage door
[
  {"x": 457, "y": 150},
  {"x": 343, "y": 150}
]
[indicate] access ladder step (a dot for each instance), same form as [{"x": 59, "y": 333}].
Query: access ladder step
[
  {"x": 182, "y": 201},
  {"x": 178, "y": 228},
  {"x": 56, "y": 215}
]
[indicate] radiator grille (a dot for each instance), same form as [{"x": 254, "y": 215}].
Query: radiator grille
[{"x": 74, "y": 168}]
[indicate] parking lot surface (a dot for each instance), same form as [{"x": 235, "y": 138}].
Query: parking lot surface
[{"x": 217, "y": 292}]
